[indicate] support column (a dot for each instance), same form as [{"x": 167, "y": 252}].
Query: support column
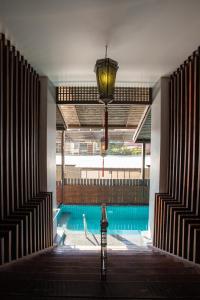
[
  {"x": 63, "y": 163},
  {"x": 47, "y": 140},
  {"x": 143, "y": 161},
  {"x": 159, "y": 144}
]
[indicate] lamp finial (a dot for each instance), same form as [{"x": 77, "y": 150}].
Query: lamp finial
[{"x": 106, "y": 51}]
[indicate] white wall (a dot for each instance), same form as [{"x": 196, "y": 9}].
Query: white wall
[
  {"x": 159, "y": 144},
  {"x": 51, "y": 147},
  {"x": 155, "y": 155},
  {"x": 48, "y": 140}
]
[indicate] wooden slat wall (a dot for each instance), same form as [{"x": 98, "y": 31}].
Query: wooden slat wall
[
  {"x": 25, "y": 212},
  {"x": 177, "y": 213},
  {"x": 99, "y": 191}
]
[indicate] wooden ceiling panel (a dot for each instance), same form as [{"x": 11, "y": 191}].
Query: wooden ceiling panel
[
  {"x": 90, "y": 114},
  {"x": 88, "y": 121},
  {"x": 135, "y": 114},
  {"x": 69, "y": 114},
  {"x": 118, "y": 115}
]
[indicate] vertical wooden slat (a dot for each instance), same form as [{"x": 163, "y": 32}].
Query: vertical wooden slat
[
  {"x": 31, "y": 113},
  {"x": 178, "y": 205},
  {"x": 11, "y": 128},
  {"x": 25, "y": 130},
  {"x": 34, "y": 120},
  {"x": 198, "y": 119},
  {"x": 195, "y": 134},
  {"x": 190, "y": 130},
  {"x": 182, "y": 137},
  {"x": 167, "y": 216},
  {"x": 16, "y": 154},
  {"x": 184, "y": 195},
  {"x": 6, "y": 115},
  {"x": 21, "y": 131},
  {"x": 2, "y": 189},
  {"x": 170, "y": 134},
  {"x": 173, "y": 112},
  {"x": 27, "y": 124},
  {"x": 177, "y": 135},
  {"x": 37, "y": 132}
]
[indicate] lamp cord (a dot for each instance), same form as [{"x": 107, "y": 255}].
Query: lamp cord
[{"x": 106, "y": 51}]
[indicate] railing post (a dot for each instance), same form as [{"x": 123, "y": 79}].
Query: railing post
[{"x": 104, "y": 225}]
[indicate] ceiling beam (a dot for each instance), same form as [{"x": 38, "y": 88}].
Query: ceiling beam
[
  {"x": 95, "y": 102},
  {"x": 88, "y": 126},
  {"x": 142, "y": 121},
  {"x": 59, "y": 125},
  {"x": 145, "y": 141}
]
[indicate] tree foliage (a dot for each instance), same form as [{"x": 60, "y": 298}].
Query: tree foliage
[{"x": 121, "y": 149}]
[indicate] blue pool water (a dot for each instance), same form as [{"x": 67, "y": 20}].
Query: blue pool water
[{"x": 121, "y": 219}]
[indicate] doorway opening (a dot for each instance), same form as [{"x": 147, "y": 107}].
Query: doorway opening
[{"x": 119, "y": 180}]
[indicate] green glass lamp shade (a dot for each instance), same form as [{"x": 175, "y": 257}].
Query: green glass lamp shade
[{"x": 106, "y": 70}]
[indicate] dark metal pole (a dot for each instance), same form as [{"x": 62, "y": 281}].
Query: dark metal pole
[
  {"x": 106, "y": 127},
  {"x": 143, "y": 160},
  {"x": 63, "y": 162}
]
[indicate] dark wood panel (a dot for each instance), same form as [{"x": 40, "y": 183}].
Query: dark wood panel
[
  {"x": 25, "y": 214},
  {"x": 2, "y": 211},
  {"x": 177, "y": 216}
]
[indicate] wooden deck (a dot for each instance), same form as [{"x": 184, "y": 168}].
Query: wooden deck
[{"x": 61, "y": 273}]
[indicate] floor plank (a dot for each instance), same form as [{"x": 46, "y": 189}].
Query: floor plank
[{"x": 60, "y": 273}]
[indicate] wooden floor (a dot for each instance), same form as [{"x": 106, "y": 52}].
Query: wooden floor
[{"x": 142, "y": 273}]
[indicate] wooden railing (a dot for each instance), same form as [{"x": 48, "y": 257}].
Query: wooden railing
[{"x": 106, "y": 182}]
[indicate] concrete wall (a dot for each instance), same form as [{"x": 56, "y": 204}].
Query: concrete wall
[
  {"x": 48, "y": 140},
  {"x": 159, "y": 144}
]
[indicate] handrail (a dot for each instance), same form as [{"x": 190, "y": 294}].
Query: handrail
[
  {"x": 85, "y": 225},
  {"x": 56, "y": 211},
  {"x": 104, "y": 225}
]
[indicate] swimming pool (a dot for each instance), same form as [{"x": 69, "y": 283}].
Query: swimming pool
[{"x": 121, "y": 219}]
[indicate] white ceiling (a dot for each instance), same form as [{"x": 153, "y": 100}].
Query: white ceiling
[{"x": 63, "y": 38}]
